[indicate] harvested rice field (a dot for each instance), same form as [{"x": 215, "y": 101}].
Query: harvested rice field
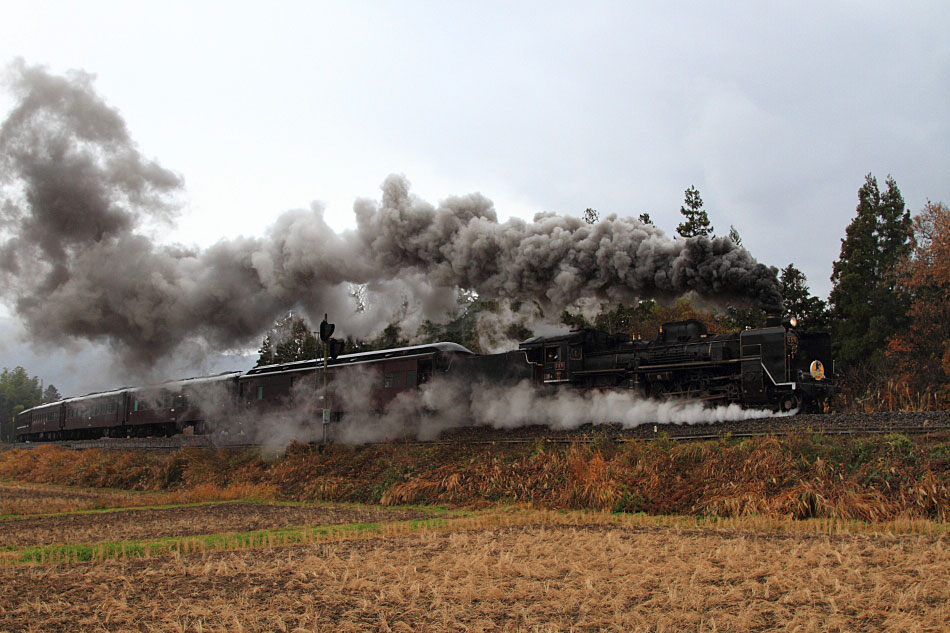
[
  {"x": 520, "y": 571},
  {"x": 36, "y": 499},
  {"x": 19, "y": 499},
  {"x": 150, "y": 523}
]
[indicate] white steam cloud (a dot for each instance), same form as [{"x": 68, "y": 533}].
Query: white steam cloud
[{"x": 444, "y": 404}]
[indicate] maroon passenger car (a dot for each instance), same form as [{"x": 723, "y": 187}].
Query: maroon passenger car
[
  {"x": 388, "y": 372},
  {"x": 171, "y": 407}
]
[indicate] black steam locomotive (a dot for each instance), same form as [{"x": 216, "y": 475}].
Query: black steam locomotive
[{"x": 774, "y": 367}]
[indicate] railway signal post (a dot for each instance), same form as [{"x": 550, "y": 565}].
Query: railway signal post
[{"x": 326, "y": 331}]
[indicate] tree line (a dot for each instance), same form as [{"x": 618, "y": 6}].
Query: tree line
[{"x": 20, "y": 391}]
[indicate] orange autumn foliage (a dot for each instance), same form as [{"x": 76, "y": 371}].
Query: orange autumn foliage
[{"x": 921, "y": 354}]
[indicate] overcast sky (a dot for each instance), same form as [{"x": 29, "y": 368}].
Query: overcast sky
[{"x": 775, "y": 112}]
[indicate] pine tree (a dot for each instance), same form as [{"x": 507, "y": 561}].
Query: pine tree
[
  {"x": 734, "y": 236},
  {"x": 290, "y": 339},
  {"x": 867, "y": 305},
  {"x": 51, "y": 394},
  {"x": 797, "y": 300},
  {"x": 697, "y": 221},
  {"x": 646, "y": 219}
]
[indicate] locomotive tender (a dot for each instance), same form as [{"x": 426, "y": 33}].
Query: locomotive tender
[{"x": 774, "y": 367}]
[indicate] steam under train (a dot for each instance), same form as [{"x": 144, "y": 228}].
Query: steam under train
[{"x": 776, "y": 367}]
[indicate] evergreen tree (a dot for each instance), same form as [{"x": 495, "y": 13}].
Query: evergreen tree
[
  {"x": 591, "y": 215},
  {"x": 736, "y": 319},
  {"x": 697, "y": 221},
  {"x": 290, "y": 339},
  {"x": 51, "y": 394},
  {"x": 617, "y": 319},
  {"x": 867, "y": 305},
  {"x": 797, "y": 301},
  {"x": 575, "y": 321},
  {"x": 18, "y": 391},
  {"x": 734, "y": 236},
  {"x": 646, "y": 219}
]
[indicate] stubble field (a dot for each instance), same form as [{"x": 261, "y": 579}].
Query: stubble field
[{"x": 508, "y": 569}]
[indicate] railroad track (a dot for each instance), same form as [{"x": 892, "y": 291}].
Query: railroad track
[{"x": 911, "y": 423}]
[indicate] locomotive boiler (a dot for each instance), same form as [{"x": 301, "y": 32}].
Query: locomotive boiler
[{"x": 773, "y": 367}]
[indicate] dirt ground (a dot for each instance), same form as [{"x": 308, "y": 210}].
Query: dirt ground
[
  {"x": 534, "y": 578},
  {"x": 136, "y": 524}
]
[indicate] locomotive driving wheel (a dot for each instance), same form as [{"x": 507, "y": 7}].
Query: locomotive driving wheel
[
  {"x": 732, "y": 392},
  {"x": 789, "y": 402}
]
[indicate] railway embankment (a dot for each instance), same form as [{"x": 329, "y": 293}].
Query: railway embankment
[{"x": 801, "y": 475}]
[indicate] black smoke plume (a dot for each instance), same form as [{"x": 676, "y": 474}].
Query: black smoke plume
[{"x": 77, "y": 199}]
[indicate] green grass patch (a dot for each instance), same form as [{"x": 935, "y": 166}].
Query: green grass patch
[
  {"x": 462, "y": 520},
  {"x": 146, "y": 548}
]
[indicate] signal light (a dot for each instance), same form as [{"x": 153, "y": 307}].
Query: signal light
[{"x": 326, "y": 329}]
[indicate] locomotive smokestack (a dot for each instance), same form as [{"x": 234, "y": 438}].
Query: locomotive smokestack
[{"x": 76, "y": 264}]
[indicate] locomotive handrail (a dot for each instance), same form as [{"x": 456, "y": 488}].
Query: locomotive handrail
[
  {"x": 587, "y": 372},
  {"x": 692, "y": 364}
]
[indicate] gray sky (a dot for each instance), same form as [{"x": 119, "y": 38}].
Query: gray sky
[{"x": 775, "y": 113}]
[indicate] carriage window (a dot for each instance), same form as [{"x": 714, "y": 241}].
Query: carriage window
[
  {"x": 411, "y": 378},
  {"x": 392, "y": 380},
  {"x": 260, "y": 393},
  {"x": 552, "y": 354}
]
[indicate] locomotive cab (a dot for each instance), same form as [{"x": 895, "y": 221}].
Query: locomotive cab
[{"x": 557, "y": 357}]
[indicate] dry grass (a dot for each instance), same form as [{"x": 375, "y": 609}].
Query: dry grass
[
  {"x": 31, "y": 499},
  {"x": 801, "y": 476},
  {"x": 554, "y": 572},
  {"x": 156, "y": 523}
]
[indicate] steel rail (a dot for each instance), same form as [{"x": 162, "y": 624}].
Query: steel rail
[{"x": 205, "y": 442}]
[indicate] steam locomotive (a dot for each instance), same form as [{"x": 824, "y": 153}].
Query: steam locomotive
[{"x": 775, "y": 367}]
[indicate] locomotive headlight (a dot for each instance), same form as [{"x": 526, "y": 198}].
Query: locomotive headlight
[{"x": 793, "y": 322}]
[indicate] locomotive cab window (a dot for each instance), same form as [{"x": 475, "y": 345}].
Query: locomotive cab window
[
  {"x": 552, "y": 354},
  {"x": 425, "y": 371},
  {"x": 576, "y": 352}
]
